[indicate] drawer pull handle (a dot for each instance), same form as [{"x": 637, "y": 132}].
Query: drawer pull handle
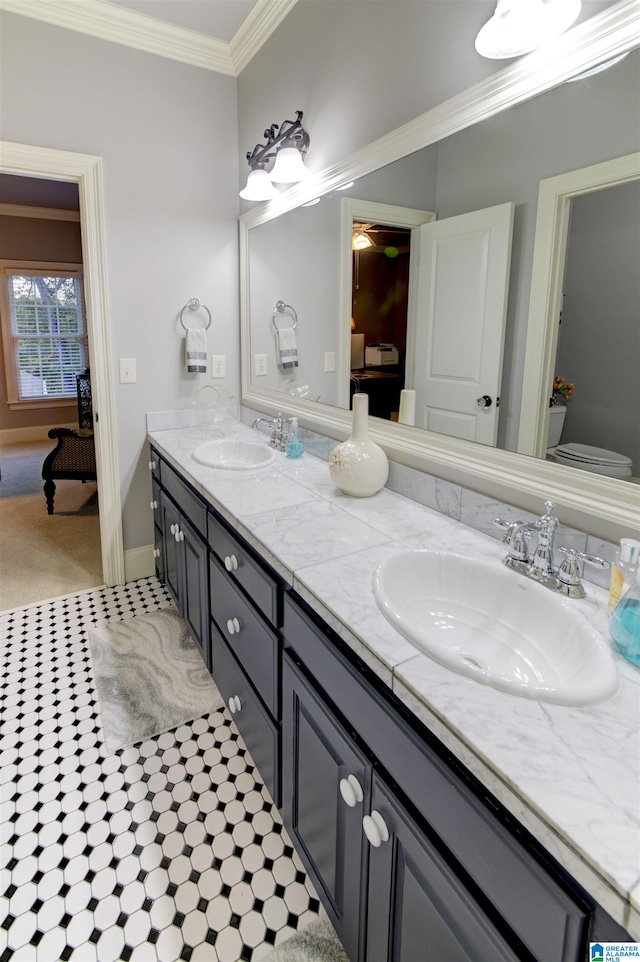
[
  {"x": 233, "y": 626},
  {"x": 235, "y": 704},
  {"x": 152, "y": 465},
  {"x": 375, "y": 828},
  {"x": 231, "y": 562},
  {"x": 153, "y": 505},
  {"x": 351, "y": 791}
]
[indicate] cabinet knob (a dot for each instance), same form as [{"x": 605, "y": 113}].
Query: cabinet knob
[
  {"x": 156, "y": 552},
  {"x": 351, "y": 791},
  {"x": 375, "y": 828},
  {"x": 235, "y": 704},
  {"x": 172, "y": 529},
  {"x": 179, "y": 535},
  {"x": 153, "y": 505},
  {"x": 231, "y": 562},
  {"x": 152, "y": 465},
  {"x": 233, "y": 626}
]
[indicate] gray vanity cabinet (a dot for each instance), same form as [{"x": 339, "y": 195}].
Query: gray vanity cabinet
[
  {"x": 325, "y": 782},
  {"x": 180, "y": 522},
  {"x": 417, "y": 907},
  {"x": 246, "y": 612}
]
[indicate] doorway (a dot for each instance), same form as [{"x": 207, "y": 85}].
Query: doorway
[{"x": 86, "y": 171}]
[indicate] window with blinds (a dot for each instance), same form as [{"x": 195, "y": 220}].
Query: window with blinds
[{"x": 48, "y": 334}]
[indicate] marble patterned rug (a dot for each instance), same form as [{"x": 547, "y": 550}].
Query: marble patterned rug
[
  {"x": 150, "y": 677},
  {"x": 317, "y": 942}
]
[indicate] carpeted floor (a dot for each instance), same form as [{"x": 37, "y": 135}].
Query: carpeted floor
[
  {"x": 150, "y": 677},
  {"x": 45, "y": 556}
]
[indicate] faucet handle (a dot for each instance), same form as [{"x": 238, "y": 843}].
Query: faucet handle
[
  {"x": 516, "y": 535},
  {"x": 570, "y": 571}
]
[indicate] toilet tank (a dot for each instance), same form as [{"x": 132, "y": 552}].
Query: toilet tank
[{"x": 557, "y": 415}]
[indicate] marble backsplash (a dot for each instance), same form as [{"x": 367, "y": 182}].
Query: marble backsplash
[{"x": 457, "y": 502}]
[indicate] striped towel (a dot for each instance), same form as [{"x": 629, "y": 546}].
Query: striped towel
[
  {"x": 195, "y": 350},
  {"x": 287, "y": 347}
]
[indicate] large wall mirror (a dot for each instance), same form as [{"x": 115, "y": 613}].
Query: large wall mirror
[{"x": 417, "y": 204}]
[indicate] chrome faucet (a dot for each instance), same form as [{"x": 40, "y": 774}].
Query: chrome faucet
[
  {"x": 567, "y": 579},
  {"x": 280, "y": 428}
]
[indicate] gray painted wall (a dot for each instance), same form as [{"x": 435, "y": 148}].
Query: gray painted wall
[{"x": 171, "y": 207}]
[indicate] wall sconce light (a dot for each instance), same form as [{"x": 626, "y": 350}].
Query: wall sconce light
[
  {"x": 288, "y": 144},
  {"x": 520, "y": 26}
]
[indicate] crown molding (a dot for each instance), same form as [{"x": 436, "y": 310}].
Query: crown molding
[
  {"x": 98, "y": 18},
  {"x": 263, "y": 19}
]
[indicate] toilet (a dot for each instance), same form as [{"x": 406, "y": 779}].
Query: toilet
[{"x": 585, "y": 457}]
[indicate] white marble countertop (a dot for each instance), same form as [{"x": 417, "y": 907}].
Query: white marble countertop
[{"x": 570, "y": 775}]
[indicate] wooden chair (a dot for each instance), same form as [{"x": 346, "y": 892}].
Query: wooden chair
[{"x": 74, "y": 457}]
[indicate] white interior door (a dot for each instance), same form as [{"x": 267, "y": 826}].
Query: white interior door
[{"x": 461, "y": 305}]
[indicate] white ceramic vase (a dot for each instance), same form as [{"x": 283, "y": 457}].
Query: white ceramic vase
[{"x": 359, "y": 466}]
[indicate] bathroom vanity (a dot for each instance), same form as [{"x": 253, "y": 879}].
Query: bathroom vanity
[{"x": 427, "y": 834}]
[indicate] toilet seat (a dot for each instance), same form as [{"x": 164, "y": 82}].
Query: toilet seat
[{"x": 598, "y": 460}]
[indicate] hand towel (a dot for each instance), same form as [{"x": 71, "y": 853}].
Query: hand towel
[
  {"x": 287, "y": 347},
  {"x": 195, "y": 350}
]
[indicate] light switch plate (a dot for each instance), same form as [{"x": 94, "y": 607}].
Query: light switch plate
[
  {"x": 259, "y": 364},
  {"x": 127, "y": 370},
  {"x": 329, "y": 361}
]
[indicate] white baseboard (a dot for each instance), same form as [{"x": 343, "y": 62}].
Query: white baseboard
[
  {"x": 139, "y": 563},
  {"x": 37, "y": 433}
]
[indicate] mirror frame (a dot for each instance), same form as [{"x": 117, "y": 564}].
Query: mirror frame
[{"x": 606, "y": 35}]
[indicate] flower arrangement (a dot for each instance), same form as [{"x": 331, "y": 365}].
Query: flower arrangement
[{"x": 561, "y": 391}]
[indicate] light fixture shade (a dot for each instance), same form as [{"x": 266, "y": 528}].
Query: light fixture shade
[
  {"x": 289, "y": 167},
  {"x": 520, "y": 26},
  {"x": 259, "y": 186},
  {"x": 360, "y": 241}
]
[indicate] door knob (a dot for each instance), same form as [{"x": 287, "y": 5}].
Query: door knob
[
  {"x": 351, "y": 790},
  {"x": 485, "y": 401},
  {"x": 375, "y": 828}
]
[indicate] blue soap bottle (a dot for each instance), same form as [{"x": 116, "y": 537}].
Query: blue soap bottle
[
  {"x": 294, "y": 446},
  {"x": 624, "y": 623}
]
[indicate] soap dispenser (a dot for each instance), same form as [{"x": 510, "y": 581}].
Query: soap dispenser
[
  {"x": 624, "y": 623},
  {"x": 294, "y": 446}
]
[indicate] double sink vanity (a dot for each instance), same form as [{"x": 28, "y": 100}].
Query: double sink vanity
[{"x": 438, "y": 813}]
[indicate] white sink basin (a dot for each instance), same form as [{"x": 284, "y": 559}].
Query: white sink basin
[
  {"x": 234, "y": 455},
  {"x": 501, "y": 629}
]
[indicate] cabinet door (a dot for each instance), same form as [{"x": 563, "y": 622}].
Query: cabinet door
[
  {"x": 194, "y": 592},
  {"x": 417, "y": 907},
  {"x": 171, "y": 548},
  {"x": 320, "y": 762}
]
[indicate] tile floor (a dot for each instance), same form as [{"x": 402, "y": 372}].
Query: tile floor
[{"x": 170, "y": 850}]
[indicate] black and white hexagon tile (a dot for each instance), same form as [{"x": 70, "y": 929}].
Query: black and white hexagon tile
[{"x": 169, "y": 850}]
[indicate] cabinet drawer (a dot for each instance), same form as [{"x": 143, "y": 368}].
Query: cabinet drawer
[
  {"x": 190, "y": 504},
  {"x": 546, "y": 919},
  {"x": 154, "y": 464},
  {"x": 262, "y": 587},
  {"x": 258, "y": 731},
  {"x": 253, "y": 643}
]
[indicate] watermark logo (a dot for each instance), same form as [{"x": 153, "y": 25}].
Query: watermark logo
[{"x": 613, "y": 951}]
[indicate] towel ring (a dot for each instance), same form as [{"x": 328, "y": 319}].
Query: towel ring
[
  {"x": 280, "y": 308},
  {"x": 193, "y": 305}
]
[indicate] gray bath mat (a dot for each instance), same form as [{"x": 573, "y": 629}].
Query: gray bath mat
[
  {"x": 316, "y": 943},
  {"x": 150, "y": 677}
]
